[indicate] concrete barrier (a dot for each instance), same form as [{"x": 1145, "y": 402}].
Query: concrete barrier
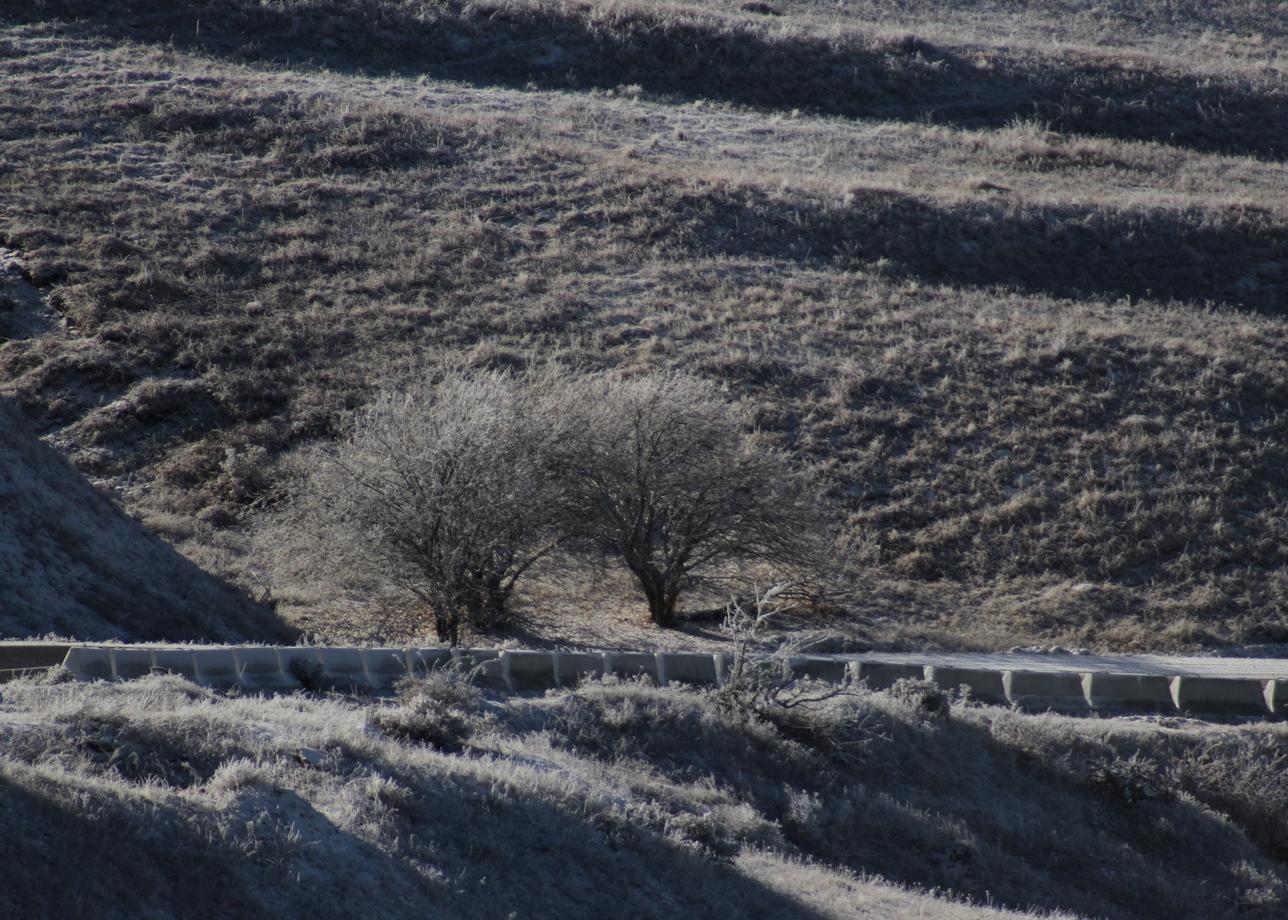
[
  {"x": 216, "y": 667},
  {"x": 89, "y": 663},
  {"x": 483, "y": 665},
  {"x": 131, "y": 663},
  {"x": 423, "y": 660},
  {"x": 387, "y": 666},
  {"x": 1224, "y": 696},
  {"x": 260, "y": 669},
  {"x": 686, "y": 668},
  {"x": 816, "y": 667},
  {"x": 301, "y": 667},
  {"x": 1129, "y": 692},
  {"x": 175, "y": 661},
  {"x": 529, "y": 670},
  {"x": 1277, "y": 697},
  {"x": 572, "y": 667},
  {"x": 984, "y": 685},
  {"x": 881, "y": 675},
  {"x": 19, "y": 659},
  {"x": 1039, "y": 691},
  {"x": 631, "y": 664},
  {"x": 344, "y": 667}
]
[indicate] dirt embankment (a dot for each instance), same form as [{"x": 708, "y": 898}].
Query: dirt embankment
[{"x": 73, "y": 563}]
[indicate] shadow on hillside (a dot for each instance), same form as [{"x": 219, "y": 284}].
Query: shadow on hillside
[
  {"x": 488, "y": 856},
  {"x": 1015, "y": 794},
  {"x": 74, "y": 563},
  {"x": 948, "y": 806},
  {"x": 134, "y": 863},
  {"x": 1062, "y": 251},
  {"x": 557, "y": 47}
]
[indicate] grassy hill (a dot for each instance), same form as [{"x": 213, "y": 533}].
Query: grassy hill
[
  {"x": 1012, "y": 276},
  {"x": 72, "y": 563},
  {"x": 624, "y": 800}
]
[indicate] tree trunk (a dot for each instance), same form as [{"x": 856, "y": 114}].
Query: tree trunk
[
  {"x": 493, "y": 603},
  {"x": 447, "y": 626},
  {"x": 661, "y": 602}
]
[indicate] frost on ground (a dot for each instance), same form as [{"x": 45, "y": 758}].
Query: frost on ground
[
  {"x": 1011, "y": 275},
  {"x": 23, "y": 311},
  {"x": 620, "y": 799},
  {"x": 73, "y": 563}
]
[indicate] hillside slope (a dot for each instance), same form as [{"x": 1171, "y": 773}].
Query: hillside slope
[
  {"x": 73, "y": 564},
  {"x": 624, "y": 800},
  {"x": 1022, "y": 302}
]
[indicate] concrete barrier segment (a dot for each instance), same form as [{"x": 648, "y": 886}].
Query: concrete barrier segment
[
  {"x": 344, "y": 667},
  {"x": 260, "y": 669},
  {"x": 88, "y": 663},
  {"x": 1129, "y": 692},
  {"x": 631, "y": 664},
  {"x": 423, "y": 660},
  {"x": 131, "y": 663},
  {"x": 817, "y": 667},
  {"x": 175, "y": 661},
  {"x": 1040, "y": 691},
  {"x": 20, "y": 659},
  {"x": 573, "y": 667},
  {"x": 984, "y": 685},
  {"x": 529, "y": 670},
  {"x": 216, "y": 667},
  {"x": 387, "y": 666},
  {"x": 483, "y": 665},
  {"x": 687, "y": 668},
  {"x": 882, "y": 675},
  {"x": 1223, "y": 696},
  {"x": 1277, "y": 697}
]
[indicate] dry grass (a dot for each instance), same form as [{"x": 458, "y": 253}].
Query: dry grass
[
  {"x": 623, "y": 800},
  {"x": 1021, "y": 303},
  {"x": 73, "y": 564}
]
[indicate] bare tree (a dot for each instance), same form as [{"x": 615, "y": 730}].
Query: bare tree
[
  {"x": 662, "y": 472},
  {"x": 443, "y": 491}
]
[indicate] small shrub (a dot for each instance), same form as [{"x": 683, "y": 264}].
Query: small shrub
[
  {"x": 308, "y": 673},
  {"x": 440, "y": 710},
  {"x": 1128, "y": 779},
  {"x": 824, "y": 716},
  {"x": 927, "y": 700}
]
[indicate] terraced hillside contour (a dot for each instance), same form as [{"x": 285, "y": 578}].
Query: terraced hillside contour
[{"x": 1021, "y": 300}]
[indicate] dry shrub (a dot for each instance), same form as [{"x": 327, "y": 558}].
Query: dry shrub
[
  {"x": 925, "y": 698},
  {"x": 441, "y": 709},
  {"x": 1243, "y": 775},
  {"x": 443, "y": 491},
  {"x": 662, "y": 472}
]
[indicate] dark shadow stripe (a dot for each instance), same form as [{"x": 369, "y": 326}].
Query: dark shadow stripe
[{"x": 729, "y": 61}]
